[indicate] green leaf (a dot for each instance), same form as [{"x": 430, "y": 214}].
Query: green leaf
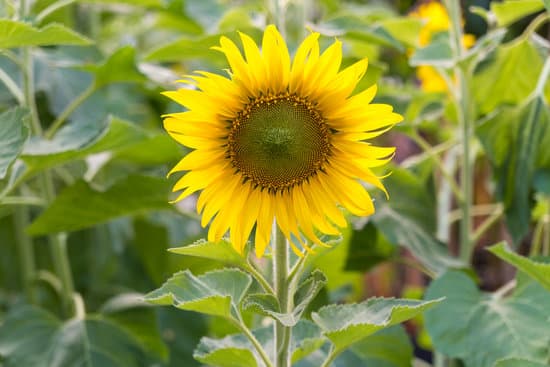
[
  {"x": 347, "y": 324},
  {"x": 30, "y": 336},
  {"x": 80, "y": 206},
  {"x": 408, "y": 220},
  {"x": 403, "y": 29},
  {"x": 368, "y": 248},
  {"x": 268, "y": 305},
  {"x": 80, "y": 139},
  {"x": 536, "y": 270},
  {"x": 509, "y": 11},
  {"x": 153, "y": 150},
  {"x": 214, "y": 293},
  {"x": 306, "y": 338},
  {"x": 222, "y": 251},
  {"x": 482, "y": 328},
  {"x": 120, "y": 67},
  {"x": 13, "y": 135},
  {"x": 518, "y": 61},
  {"x": 437, "y": 53},
  {"x": 389, "y": 347},
  {"x": 518, "y": 362},
  {"x": 186, "y": 48},
  {"x": 19, "y": 34}
]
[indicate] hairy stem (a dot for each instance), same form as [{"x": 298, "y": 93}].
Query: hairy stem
[{"x": 281, "y": 288}]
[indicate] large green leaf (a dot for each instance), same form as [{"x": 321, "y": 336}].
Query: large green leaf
[
  {"x": 78, "y": 140},
  {"x": 437, "y": 53},
  {"x": 509, "y": 11},
  {"x": 186, "y": 48},
  {"x": 368, "y": 248},
  {"x": 80, "y": 206},
  {"x": 482, "y": 328},
  {"x": 347, "y": 324},
  {"x": 19, "y": 34},
  {"x": 536, "y": 270},
  {"x": 268, "y": 305},
  {"x": 518, "y": 63},
  {"x": 408, "y": 219},
  {"x": 518, "y": 362},
  {"x": 13, "y": 135},
  {"x": 119, "y": 67},
  {"x": 214, "y": 293},
  {"x": 30, "y": 336}
]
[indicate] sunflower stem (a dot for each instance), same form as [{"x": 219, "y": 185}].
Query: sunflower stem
[
  {"x": 464, "y": 116},
  {"x": 281, "y": 287},
  {"x": 26, "y": 252}
]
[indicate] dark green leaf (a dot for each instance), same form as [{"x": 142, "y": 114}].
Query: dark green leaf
[
  {"x": 120, "y": 67},
  {"x": 214, "y": 293},
  {"x": 13, "y": 135},
  {"x": 347, "y": 324},
  {"x": 518, "y": 362},
  {"x": 367, "y": 249},
  {"x": 80, "y": 206},
  {"x": 483, "y": 328},
  {"x": 33, "y": 337},
  {"x": 19, "y": 34},
  {"x": 536, "y": 270},
  {"x": 222, "y": 252}
]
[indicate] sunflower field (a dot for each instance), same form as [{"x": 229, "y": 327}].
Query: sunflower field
[{"x": 274, "y": 183}]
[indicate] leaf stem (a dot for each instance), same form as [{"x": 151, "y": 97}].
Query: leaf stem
[
  {"x": 75, "y": 103},
  {"x": 332, "y": 354},
  {"x": 240, "y": 324},
  {"x": 52, "y": 8},
  {"x": 543, "y": 78},
  {"x": 12, "y": 86},
  {"x": 281, "y": 287},
  {"x": 259, "y": 277},
  {"x": 487, "y": 223},
  {"x": 22, "y": 200},
  {"x": 26, "y": 252}
]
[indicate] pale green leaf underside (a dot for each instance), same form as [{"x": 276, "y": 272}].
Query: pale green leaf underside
[
  {"x": 222, "y": 251},
  {"x": 347, "y": 324},
  {"x": 518, "y": 362},
  {"x": 481, "y": 328},
  {"x": 33, "y": 337},
  {"x": 19, "y": 34},
  {"x": 213, "y": 293},
  {"x": 268, "y": 305},
  {"x": 536, "y": 270},
  {"x": 13, "y": 134}
]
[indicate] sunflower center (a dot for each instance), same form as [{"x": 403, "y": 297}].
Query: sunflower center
[{"x": 278, "y": 141}]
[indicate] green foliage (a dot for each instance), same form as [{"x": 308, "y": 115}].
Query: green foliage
[
  {"x": 12, "y": 137},
  {"x": 485, "y": 328},
  {"x": 17, "y": 34}
]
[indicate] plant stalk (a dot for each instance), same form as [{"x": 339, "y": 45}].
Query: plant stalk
[
  {"x": 26, "y": 252},
  {"x": 281, "y": 287}
]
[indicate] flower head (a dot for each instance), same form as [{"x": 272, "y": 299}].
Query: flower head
[{"x": 279, "y": 140}]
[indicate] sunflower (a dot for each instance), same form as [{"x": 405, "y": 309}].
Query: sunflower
[
  {"x": 279, "y": 140},
  {"x": 436, "y": 20}
]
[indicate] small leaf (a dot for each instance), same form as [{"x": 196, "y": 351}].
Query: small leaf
[
  {"x": 80, "y": 206},
  {"x": 536, "y": 270},
  {"x": 348, "y": 324},
  {"x": 214, "y": 293},
  {"x": 19, "y": 34},
  {"x": 482, "y": 328},
  {"x": 222, "y": 251},
  {"x": 509, "y": 11},
  {"x": 30, "y": 336},
  {"x": 268, "y": 305},
  {"x": 120, "y": 67},
  {"x": 13, "y": 135}
]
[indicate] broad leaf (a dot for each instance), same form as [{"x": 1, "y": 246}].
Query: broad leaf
[
  {"x": 347, "y": 324},
  {"x": 437, "y": 53},
  {"x": 481, "y": 328},
  {"x": 19, "y": 34},
  {"x": 80, "y": 206},
  {"x": 120, "y": 67},
  {"x": 509, "y": 11},
  {"x": 214, "y": 293},
  {"x": 78, "y": 140},
  {"x": 518, "y": 362},
  {"x": 222, "y": 251},
  {"x": 408, "y": 220},
  {"x": 186, "y": 48},
  {"x": 13, "y": 134},
  {"x": 33, "y": 337},
  {"x": 268, "y": 305},
  {"x": 536, "y": 270}
]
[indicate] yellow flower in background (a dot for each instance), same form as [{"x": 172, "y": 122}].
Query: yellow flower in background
[
  {"x": 279, "y": 140},
  {"x": 436, "y": 19}
]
